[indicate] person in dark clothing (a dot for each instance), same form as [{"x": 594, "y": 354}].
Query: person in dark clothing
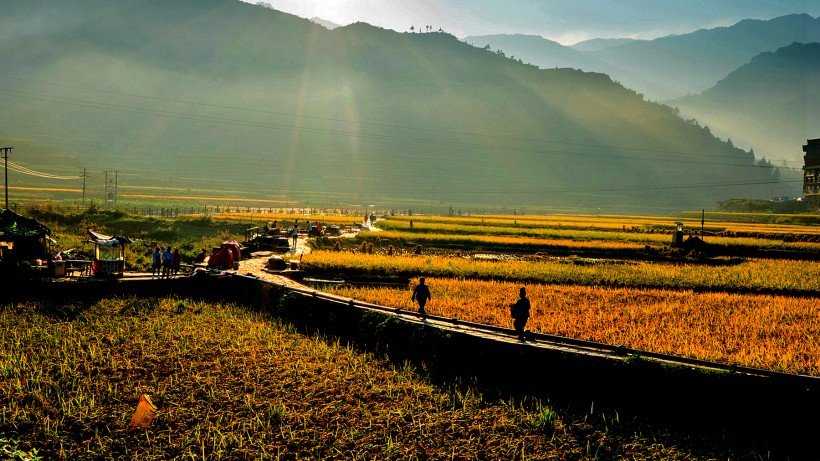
[
  {"x": 421, "y": 293},
  {"x": 177, "y": 261},
  {"x": 520, "y": 312},
  {"x": 200, "y": 258}
]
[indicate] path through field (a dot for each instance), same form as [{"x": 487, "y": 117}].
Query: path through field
[{"x": 255, "y": 265}]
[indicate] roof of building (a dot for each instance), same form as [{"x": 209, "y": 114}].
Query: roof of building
[{"x": 13, "y": 225}]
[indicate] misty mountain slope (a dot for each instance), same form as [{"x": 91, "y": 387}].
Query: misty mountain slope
[
  {"x": 598, "y": 44},
  {"x": 771, "y": 104},
  {"x": 667, "y": 67},
  {"x": 537, "y": 50},
  {"x": 693, "y": 62},
  {"x": 236, "y": 97}
]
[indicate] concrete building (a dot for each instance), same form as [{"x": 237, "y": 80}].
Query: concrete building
[{"x": 811, "y": 171}]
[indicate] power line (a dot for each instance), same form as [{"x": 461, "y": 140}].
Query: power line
[
  {"x": 403, "y": 139},
  {"x": 6, "y": 170},
  {"x": 337, "y": 120},
  {"x": 28, "y": 171},
  {"x": 357, "y": 122}
]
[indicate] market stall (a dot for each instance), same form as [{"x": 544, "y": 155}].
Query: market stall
[{"x": 109, "y": 254}]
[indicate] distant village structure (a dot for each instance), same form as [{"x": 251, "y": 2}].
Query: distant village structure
[{"x": 811, "y": 171}]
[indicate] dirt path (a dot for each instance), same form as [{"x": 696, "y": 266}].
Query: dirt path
[{"x": 256, "y": 264}]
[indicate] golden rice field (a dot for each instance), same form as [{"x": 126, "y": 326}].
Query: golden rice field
[
  {"x": 753, "y": 312},
  {"x": 591, "y": 233},
  {"x": 622, "y": 223},
  {"x": 762, "y": 275},
  {"x": 289, "y": 218},
  {"x": 772, "y": 332}
]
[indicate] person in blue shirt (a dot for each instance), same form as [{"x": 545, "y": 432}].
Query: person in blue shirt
[
  {"x": 156, "y": 259},
  {"x": 167, "y": 262}
]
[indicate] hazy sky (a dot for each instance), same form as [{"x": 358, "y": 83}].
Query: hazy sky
[{"x": 565, "y": 21}]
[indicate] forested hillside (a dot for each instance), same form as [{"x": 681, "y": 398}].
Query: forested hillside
[
  {"x": 225, "y": 95},
  {"x": 767, "y": 104}
]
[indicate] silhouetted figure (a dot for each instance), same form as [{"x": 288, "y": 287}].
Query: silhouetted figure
[
  {"x": 295, "y": 235},
  {"x": 520, "y": 312},
  {"x": 421, "y": 293},
  {"x": 177, "y": 261}
]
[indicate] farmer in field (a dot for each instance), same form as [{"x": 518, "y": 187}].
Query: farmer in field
[
  {"x": 421, "y": 293},
  {"x": 295, "y": 235},
  {"x": 520, "y": 312}
]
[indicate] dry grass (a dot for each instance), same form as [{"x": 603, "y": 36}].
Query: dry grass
[{"x": 231, "y": 384}]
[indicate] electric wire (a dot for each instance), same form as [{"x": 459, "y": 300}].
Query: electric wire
[
  {"x": 349, "y": 121},
  {"x": 382, "y": 137},
  {"x": 28, "y": 171}
]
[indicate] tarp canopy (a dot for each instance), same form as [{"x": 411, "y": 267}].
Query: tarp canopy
[
  {"x": 13, "y": 226},
  {"x": 107, "y": 240}
]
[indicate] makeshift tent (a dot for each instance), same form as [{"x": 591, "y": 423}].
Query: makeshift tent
[
  {"x": 22, "y": 239},
  {"x": 109, "y": 253},
  {"x": 224, "y": 256}
]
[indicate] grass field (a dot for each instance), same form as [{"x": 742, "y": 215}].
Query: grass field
[{"x": 234, "y": 384}]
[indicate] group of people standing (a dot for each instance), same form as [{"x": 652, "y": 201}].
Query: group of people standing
[
  {"x": 519, "y": 310},
  {"x": 165, "y": 262}
]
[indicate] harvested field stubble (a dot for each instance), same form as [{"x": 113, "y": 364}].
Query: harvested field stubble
[{"x": 234, "y": 384}]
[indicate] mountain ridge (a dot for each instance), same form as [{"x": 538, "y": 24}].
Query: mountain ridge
[
  {"x": 220, "y": 93},
  {"x": 766, "y": 103},
  {"x": 675, "y": 65}
]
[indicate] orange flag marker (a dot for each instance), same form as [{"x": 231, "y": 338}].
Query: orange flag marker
[{"x": 146, "y": 411}]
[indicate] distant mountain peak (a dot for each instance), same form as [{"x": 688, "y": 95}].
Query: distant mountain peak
[
  {"x": 597, "y": 44},
  {"x": 329, "y": 25}
]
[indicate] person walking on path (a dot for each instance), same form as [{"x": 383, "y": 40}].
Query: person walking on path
[
  {"x": 421, "y": 293},
  {"x": 295, "y": 235},
  {"x": 520, "y": 312},
  {"x": 156, "y": 260}
]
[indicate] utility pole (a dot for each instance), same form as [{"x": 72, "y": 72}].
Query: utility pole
[
  {"x": 116, "y": 176},
  {"x": 6, "y": 165},
  {"x": 111, "y": 189},
  {"x": 85, "y": 175}
]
